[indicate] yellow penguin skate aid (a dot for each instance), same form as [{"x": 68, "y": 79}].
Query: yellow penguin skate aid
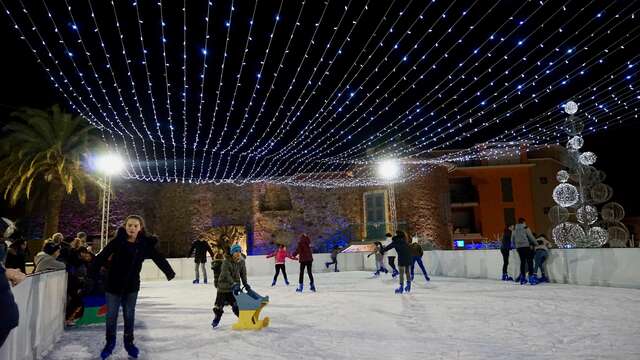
[{"x": 250, "y": 304}]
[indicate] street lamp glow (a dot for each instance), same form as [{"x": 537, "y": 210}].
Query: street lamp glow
[
  {"x": 389, "y": 169},
  {"x": 110, "y": 164}
]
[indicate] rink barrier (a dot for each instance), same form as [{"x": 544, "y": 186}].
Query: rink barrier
[
  {"x": 594, "y": 267},
  {"x": 41, "y": 302}
]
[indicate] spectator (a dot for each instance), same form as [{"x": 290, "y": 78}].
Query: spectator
[
  {"x": 524, "y": 242},
  {"x": 9, "y": 308},
  {"x": 16, "y": 256},
  {"x": 57, "y": 238},
  {"x": 46, "y": 259}
]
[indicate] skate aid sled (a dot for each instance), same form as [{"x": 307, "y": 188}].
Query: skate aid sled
[{"x": 249, "y": 305}]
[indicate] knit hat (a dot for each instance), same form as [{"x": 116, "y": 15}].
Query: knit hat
[
  {"x": 235, "y": 248},
  {"x": 50, "y": 247}
]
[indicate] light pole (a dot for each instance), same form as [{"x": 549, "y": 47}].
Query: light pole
[
  {"x": 389, "y": 170},
  {"x": 108, "y": 165}
]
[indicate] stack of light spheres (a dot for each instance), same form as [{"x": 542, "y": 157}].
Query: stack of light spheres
[{"x": 580, "y": 191}]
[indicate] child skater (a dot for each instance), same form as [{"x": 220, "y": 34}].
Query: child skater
[
  {"x": 334, "y": 258},
  {"x": 416, "y": 257},
  {"x": 379, "y": 259},
  {"x": 391, "y": 254},
  {"x": 305, "y": 257},
  {"x": 281, "y": 255},
  {"x": 232, "y": 273}
]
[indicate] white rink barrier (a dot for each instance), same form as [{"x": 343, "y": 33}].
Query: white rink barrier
[
  {"x": 41, "y": 302},
  {"x": 596, "y": 267}
]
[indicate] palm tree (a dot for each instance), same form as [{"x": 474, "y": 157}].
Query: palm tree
[{"x": 40, "y": 156}]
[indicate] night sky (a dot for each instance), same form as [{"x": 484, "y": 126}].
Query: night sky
[{"x": 310, "y": 86}]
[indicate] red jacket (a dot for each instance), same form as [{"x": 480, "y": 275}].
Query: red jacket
[
  {"x": 281, "y": 255},
  {"x": 304, "y": 250}
]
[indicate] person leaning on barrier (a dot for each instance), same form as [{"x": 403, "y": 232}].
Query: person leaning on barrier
[
  {"x": 45, "y": 260},
  {"x": 8, "y": 307}
]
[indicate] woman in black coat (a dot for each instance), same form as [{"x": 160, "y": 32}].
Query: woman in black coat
[
  {"x": 399, "y": 242},
  {"x": 127, "y": 251}
]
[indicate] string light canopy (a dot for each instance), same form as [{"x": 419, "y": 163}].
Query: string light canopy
[{"x": 319, "y": 93}]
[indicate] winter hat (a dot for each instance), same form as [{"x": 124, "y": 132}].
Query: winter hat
[
  {"x": 235, "y": 248},
  {"x": 50, "y": 247}
]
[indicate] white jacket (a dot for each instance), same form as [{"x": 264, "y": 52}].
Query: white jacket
[{"x": 391, "y": 252}]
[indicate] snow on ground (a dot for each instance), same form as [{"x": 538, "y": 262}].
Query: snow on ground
[{"x": 355, "y": 316}]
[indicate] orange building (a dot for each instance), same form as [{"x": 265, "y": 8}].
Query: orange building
[{"x": 488, "y": 195}]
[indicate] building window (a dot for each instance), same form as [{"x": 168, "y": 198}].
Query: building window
[
  {"x": 507, "y": 189},
  {"x": 509, "y": 216},
  {"x": 544, "y": 180},
  {"x": 546, "y": 210}
]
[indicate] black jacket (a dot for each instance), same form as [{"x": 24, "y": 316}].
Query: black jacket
[
  {"x": 123, "y": 274},
  {"x": 201, "y": 248},
  {"x": 402, "y": 248},
  {"x": 8, "y": 306}
]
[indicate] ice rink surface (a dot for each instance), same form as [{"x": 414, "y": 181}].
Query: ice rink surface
[{"x": 355, "y": 316}]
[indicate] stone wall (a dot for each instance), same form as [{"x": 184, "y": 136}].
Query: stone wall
[{"x": 177, "y": 213}]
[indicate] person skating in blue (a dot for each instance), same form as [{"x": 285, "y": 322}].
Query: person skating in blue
[
  {"x": 399, "y": 243},
  {"x": 379, "y": 259},
  {"x": 232, "y": 273},
  {"x": 416, "y": 257}
]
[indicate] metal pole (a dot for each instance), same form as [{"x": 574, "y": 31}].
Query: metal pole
[
  {"x": 392, "y": 206},
  {"x": 104, "y": 208},
  {"x": 106, "y": 220}
]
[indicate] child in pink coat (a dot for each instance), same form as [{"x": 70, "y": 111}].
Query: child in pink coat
[{"x": 281, "y": 255}]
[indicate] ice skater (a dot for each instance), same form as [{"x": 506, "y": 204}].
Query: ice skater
[
  {"x": 399, "y": 243},
  {"x": 305, "y": 257},
  {"x": 281, "y": 255},
  {"x": 232, "y": 273},
  {"x": 524, "y": 242},
  {"x": 379, "y": 259},
  {"x": 334, "y": 258},
  {"x": 416, "y": 257},
  {"x": 505, "y": 249},
  {"x": 128, "y": 250},
  {"x": 216, "y": 263},
  {"x": 541, "y": 254},
  {"x": 201, "y": 248},
  {"x": 391, "y": 256}
]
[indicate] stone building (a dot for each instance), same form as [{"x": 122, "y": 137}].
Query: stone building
[{"x": 265, "y": 213}]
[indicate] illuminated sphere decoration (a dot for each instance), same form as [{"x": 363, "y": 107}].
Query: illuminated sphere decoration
[
  {"x": 598, "y": 236},
  {"x": 612, "y": 212},
  {"x": 389, "y": 169},
  {"x": 558, "y": 214},
  {"x": 600, "y": 193},
  {"x": 588, "y": 158},
  {"x": 618, "y": 235},
  {"x": 573, "y": 126},
  {"x": 566, "y": 195},
  {"x": 562, "y": 176},
  {"x": 587, "y": 214},
  {"x": 567, "y": 235},
  {"x": 571, "y": 107},
  {"x": 576, "y": 142}
]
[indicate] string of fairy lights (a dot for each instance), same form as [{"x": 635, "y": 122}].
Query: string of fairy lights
[{"x": 317, "y": 93}]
